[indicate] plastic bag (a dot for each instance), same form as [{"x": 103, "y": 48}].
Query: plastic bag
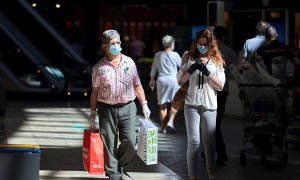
[{"x": 147, "y": 142}]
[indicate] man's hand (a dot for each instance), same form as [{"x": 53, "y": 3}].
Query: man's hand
[
  {"x": 146, "y": 110},
  {"x": 92, "y": 119}
]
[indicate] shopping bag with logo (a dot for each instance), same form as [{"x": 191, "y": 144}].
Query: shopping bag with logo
[
  {"x": 92, "y": 152},
  {"x": 147, "y": 142}
]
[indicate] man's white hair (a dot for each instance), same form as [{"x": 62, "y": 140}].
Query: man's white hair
[{"x": 109, "y": 35}]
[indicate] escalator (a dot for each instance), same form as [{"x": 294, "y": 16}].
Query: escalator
[
  {"x": 22, "y": 65},
  {"x": 35, "y": 57}
]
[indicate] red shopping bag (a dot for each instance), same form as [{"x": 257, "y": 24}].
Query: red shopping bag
[{"x": 92, "y": 152}]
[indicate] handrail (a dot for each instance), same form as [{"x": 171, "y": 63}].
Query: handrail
[
  {"x": 54, "y": 33},
  {"x": 8, "y": 74},
  {"x": 29, "y": 49},
  {"x": 18, "y": 38}
]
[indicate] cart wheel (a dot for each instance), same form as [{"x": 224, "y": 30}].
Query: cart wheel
[
  {"x": 284, "y": 154},
  {"x": 243, "y": 160},
  {"x": 284, "y": 159}
]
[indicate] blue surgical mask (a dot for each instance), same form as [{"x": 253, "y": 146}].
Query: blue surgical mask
[
  {"x": 115, "y": 49},
  {"x": 202, "y": 49}
]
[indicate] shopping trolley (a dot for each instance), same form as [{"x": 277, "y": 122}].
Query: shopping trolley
[{"x": 264, "y": 120}]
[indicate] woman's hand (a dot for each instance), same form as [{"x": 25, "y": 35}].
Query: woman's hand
[
  {"x": 204, "y": 70},
  {"x": 193, "y": 68},
  {"x": 152, "y": 84}
]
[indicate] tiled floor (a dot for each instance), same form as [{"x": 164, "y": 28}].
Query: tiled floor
[{"x": 58, "y": 128}]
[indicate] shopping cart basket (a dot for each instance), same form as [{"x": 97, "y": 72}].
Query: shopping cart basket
[{"x": 264, "y": 120}]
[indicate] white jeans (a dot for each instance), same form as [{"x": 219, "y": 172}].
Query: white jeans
[{"x": 196, "y": 116}]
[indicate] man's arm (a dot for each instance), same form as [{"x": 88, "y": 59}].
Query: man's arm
[
  {"x": 243, "y": 53},
  {"x": 93, "y": 99},
  {"x": 93, "y": 106},
  {"x": 242, "y": 59},
  {"x": 140, "y": 94}
]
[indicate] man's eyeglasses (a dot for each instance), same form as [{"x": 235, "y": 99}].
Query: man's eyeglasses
[{"x": 114, "y": 43}]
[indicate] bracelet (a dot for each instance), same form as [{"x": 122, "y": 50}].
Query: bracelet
[{"x": 144, "y": 102}]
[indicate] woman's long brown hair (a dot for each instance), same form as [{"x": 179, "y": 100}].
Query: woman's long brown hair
[{"x": 213, "y": 52}]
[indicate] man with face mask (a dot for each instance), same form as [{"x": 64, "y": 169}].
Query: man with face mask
[{"x": 116, "y": 84}]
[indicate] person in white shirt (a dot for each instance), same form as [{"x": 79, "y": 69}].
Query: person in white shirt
[{"x": 205, "y": 73}]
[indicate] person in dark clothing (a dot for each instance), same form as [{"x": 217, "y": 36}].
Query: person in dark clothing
[
  {"x": 230, "y": 58},
  {"x": 274, "y": 53},
  {"x": 275, "y": 56},
  {"x": 137, "y": 48}
]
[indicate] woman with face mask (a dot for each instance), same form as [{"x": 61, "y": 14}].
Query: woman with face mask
[
  {"x": 116, "y": 84},
  {"x": 205, "y": 73}
]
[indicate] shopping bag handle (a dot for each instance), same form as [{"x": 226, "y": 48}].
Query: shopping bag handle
[{"x": 94, "y": 129}]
